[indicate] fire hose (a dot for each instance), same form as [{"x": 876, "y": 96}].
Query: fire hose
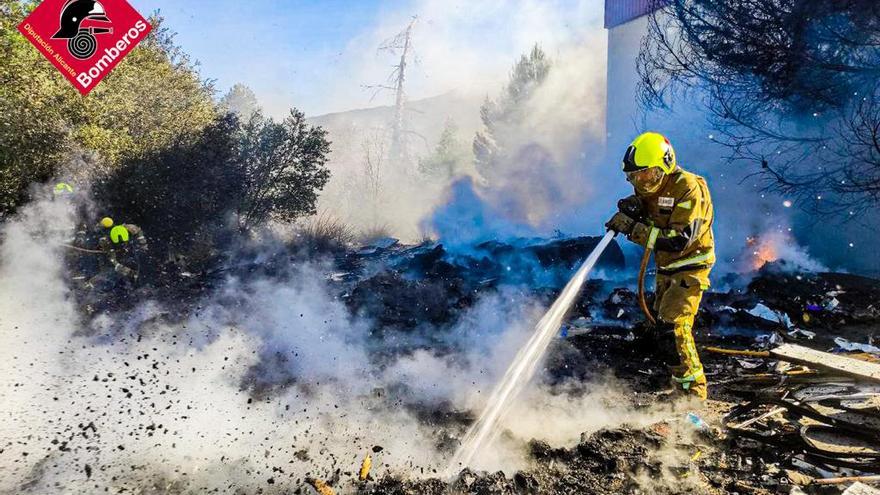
[
  {"x": 632, "y": 207},
  {"x": 642, "y": 303},
  {"x": 82, "y": 250}
]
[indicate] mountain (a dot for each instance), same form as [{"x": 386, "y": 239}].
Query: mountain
[{"x": 425, "y": 118}]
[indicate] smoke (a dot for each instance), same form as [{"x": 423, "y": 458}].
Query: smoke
[
  {"x": 551, "y": 176},
  {"x": 171, "y": 404},
  {"x": 458, "y": 58},
  {"x": 460, "y": 45},
  {"x": 467, "y": 219},
  {"x": 777, "y": 246},
  {"x": 263, "y": 383}
]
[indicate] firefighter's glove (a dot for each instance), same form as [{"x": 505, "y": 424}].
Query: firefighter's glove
[
  {"x": 631, "y": 206},
  {"x": 639, "y": 233},
  {"x": 621, "y": 223}
]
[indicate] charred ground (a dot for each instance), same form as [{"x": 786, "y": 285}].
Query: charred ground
[{"x": 413, "y": 296}]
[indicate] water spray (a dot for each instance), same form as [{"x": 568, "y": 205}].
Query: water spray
[{"x": 520, "y": 372}]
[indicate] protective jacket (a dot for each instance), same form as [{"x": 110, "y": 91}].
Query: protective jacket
[
  {"x": 677, "y": 224},
  {"x": 124, "y": 247}
]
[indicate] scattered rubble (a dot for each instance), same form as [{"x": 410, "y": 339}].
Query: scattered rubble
[
  {"x": 756, "y": 438},
  {"x": 771, "y": 426}
]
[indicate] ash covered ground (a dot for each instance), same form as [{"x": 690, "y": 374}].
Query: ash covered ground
[{"x": 282, "y": 371}]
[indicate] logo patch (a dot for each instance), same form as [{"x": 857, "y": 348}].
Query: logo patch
[
  {"x": 664, "y": 202},
  {"x": 84, "y": 39}
]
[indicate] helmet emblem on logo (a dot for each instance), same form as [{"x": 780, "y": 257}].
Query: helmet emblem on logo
[{"x": 81, "y": 42}]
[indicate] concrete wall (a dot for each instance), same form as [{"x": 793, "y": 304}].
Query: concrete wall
[{"x": 622, "y": 118}]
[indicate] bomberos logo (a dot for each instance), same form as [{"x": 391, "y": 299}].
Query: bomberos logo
[{"x": 84, "y": 39}]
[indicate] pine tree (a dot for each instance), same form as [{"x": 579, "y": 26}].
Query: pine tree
[
  {"x": 241, "y": 101},
  {"x": 503, "y": 119},
  {"x": 446, "y": 160}
]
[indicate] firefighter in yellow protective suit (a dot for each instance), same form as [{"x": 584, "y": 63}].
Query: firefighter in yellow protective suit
[
  {"x": 676, "y": 222},
  {"x": 124, "y": 246}
]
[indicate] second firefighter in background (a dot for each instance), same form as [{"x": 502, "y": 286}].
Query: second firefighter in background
[{"x": 676, "y": 222}]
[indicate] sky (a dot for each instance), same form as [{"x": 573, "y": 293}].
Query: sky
[{"x": 319, "y": 56}]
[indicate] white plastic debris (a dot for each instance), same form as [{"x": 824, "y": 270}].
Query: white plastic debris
[
  {"x": 620, "y": 313},
  {"x": 581, "y": 322},
  {"x": 767, "y": 338},
  {"x": 846, "y": 345},
  {"x": 859, "y": 488},
  {"x": 768, "y": 314},
  {"x": 749, "y": 364},
  {"x": 799, "y": 331},
  {"x": 575, "y": 331}
]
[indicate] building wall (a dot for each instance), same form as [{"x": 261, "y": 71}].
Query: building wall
[
  {"x": 622, "y": 118},
  {"x": 618, "y": 12}
]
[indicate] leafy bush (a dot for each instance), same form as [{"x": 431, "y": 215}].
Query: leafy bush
[
  {"x": 284, "y": 166},
  {"x": 188, "y": 196},
  {"x": 151, "y": 100},
  {"x": 183, "y": 195}
]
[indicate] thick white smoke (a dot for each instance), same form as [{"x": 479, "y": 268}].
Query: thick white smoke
[{"x": 264, "y": 383}]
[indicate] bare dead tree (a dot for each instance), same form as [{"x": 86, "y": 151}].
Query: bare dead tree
[
  {"x": 790, "y": 85},
  {"x": 400, "y": 44},
  {"x": 374, "y": 156}
]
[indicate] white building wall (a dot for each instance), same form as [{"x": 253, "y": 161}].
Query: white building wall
[{"x": 622, "y": 113}]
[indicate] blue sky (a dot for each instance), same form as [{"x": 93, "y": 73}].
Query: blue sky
[{"x": 318, "y": 55}]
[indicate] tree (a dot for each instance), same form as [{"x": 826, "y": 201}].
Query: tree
[
  {"x": 448, "y": 155},
  {"x": 189, "y": 196},
  {"x": 373, "y": 169},
  {"x": 503, "y": 119},
  {"x": 34, "y": 100},
  {"x": 240, "y": 100},
  {"x": 791, "y": 86},
  {"x": 182, "y": 195},
  {"x": 284, "y": 167},
  {"x": 400, "y": 44},
  {"x": 151, "y": 100}
]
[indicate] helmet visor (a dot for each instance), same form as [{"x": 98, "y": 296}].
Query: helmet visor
[{"x": 646, "y": 180}]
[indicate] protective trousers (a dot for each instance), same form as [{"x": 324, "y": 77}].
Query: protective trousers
[{"x": 676, "y": 302}]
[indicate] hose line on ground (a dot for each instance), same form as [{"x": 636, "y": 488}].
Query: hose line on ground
[
  {"x": 642, "y": 303},
  {"x": 82, "y": 250}
]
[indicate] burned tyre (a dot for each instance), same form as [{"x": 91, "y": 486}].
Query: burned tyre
[{"x": 83, "y": 45}]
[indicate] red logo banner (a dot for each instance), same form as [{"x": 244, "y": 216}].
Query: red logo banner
[{"x": 84, "y": 39}]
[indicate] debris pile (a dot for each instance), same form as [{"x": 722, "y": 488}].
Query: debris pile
[
  {"x": 784, "y": 418},
  {"x": 794, "y": 392}
]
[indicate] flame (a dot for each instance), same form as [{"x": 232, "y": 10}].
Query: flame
[{"x": 763, "y": 249}]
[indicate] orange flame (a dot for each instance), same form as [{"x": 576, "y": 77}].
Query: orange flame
[{"x": 763, "y": 250}]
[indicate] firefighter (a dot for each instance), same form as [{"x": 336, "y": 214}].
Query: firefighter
[
  {"x": 675, "y": 220},
  {"x": 62, "y": 190},
  {"x": 124, "y": 245}
]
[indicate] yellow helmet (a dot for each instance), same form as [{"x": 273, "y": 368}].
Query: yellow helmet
[
  {"x": 649, "y": 150},
  {"x": 63, "y": 188},
  {"x": 106, "y": 222}
]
